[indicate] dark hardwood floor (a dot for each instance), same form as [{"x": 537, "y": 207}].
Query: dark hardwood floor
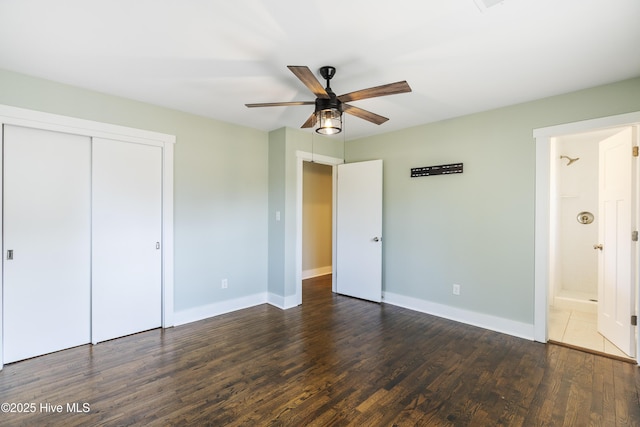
[{"x": 332, "y": 361}]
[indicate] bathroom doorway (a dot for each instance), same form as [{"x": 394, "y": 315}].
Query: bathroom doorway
[{"x": 575, "y": 233}]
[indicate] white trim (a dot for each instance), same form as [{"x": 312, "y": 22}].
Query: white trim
[
  {"x": 635, "y": 226},
  {"x": 302, "y": 156},
  {"x": 281, "y": 302},
  {"x": 334, "y": 225},
  {"x": 627, "y": 119},
  {"x": 54, "y": 122},
  {"x": 210, "y": 310},
  {"x": 316, "y": 272},
  {"x": 167, "y": 236},
  {"x": 40, "y": 120},
  {"x": 485, "y": 321},
  {"x": 543, "y": 138},
  {"x": 542, "y": 240}
]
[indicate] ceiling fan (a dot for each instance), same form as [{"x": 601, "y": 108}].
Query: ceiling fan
[{"x": 329, "y": 106}]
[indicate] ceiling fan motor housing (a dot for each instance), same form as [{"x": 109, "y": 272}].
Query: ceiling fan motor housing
[{"x": 332, "y": 103}]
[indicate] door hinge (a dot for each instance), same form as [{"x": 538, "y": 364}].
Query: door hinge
[
  {"x": 634, "y": 320},
  {"x": 634, "y": 236},
  {"x": 635, "y": 151}
]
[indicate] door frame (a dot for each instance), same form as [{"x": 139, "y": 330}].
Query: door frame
[
  {"x": 543, "y": 142},
  {"x": 53, "y": 122},
  {"x": 304, "y": 156}
]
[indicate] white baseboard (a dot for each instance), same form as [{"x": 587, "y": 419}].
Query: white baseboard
[
  {"x": 493, "y": 323},
  {"x": 210, "y": 310},
  {"x": 315, "y": 272},
  {"x": 281, "y": 302},
  {"x": 575, "y": 304},
  {"x": 485, "y": 321}
]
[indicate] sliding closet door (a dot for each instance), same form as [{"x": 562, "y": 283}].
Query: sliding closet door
[
  {"x": 46, "y": 253},
  {"x": 127, "y": 232}
]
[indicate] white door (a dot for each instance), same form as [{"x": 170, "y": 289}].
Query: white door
[
  {"x": 47, "y": 215},
  {"x": 615, "y": 293},
  {"x": 359, "y": 230},
  {"x": 127, "y": 232}
]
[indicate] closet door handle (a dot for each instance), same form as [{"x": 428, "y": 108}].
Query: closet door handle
[
  {"x": 599, "y": 246},
  {"x": 10, "y": 254}
]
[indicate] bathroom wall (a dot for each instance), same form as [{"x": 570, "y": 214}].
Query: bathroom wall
[{"x": 577, "y": 192}]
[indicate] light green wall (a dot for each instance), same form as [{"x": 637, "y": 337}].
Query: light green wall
[
  {"x": 220, "y": 179},
  {"x": 277, "y": 179},
  {"x": 475, "y": 229}
]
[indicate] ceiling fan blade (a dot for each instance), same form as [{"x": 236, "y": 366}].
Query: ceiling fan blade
[
  {"x": 311, "y": 121},
  {"x": 372, "y": 92},
  {"x": 280, "y": 104},
  {"x": 306, "y": 76},
  {"x": 364, "y": 114}
]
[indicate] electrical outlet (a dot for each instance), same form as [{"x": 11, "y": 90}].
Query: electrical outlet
[
  {"x": 225, "y": 284},
  {"x": 456, "y": 289}
]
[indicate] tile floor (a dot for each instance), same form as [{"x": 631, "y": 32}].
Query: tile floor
[{"x": 580, "y": 329}]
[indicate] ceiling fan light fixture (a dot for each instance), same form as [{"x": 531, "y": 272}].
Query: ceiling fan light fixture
[
  {"x": 329, "y": 107},
  {"x": 329, "y": 121}
]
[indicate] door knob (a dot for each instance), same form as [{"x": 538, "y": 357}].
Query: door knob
[
  {"x": 376, "y": 239},
  {"x": 598, "y": 246}
]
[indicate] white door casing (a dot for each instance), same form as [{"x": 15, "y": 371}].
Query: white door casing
[
  {"x": 47, "y": 216},
  {"x": 543, "y": 180},
  {"x": 359, "y": 230},
  {"x": 126, "y": 238},
  {"x": 615, "y": 270},
  {"x": 304, "y": 156}
]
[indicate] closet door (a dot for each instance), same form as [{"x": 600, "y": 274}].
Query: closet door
[
  {"x": 46, "y": 245},
  {"x": 126, "y": 236}
]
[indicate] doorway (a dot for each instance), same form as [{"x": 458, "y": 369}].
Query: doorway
[
  {"x": 303, "y": 157},
  {"x": 546, "y": 218},
  {"x": 317, "y": 219},
  {"x": 575, "y": 222},
  {"x": 361, "y": 251}
]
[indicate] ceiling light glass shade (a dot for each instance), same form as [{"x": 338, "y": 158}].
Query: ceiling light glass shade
[{"x": 330, "y": 121}]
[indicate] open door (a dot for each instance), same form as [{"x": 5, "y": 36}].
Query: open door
[
  {"x": 358, "y": 261},
  {"x": 615, "y": 246}
]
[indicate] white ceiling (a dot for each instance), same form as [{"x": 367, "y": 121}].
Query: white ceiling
[{"x": 210, "y": 57}]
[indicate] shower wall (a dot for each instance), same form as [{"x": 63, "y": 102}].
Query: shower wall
[{"x": 577, "y": 189}]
